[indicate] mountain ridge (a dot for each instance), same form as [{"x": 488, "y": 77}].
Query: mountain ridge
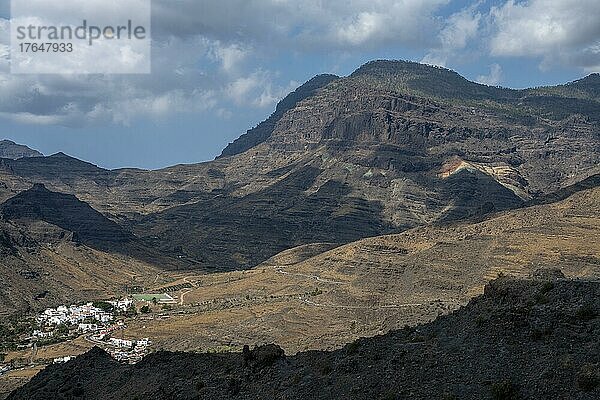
[
  {"x": 364, "y": 147},
  {"x": 12, "y": 150}
]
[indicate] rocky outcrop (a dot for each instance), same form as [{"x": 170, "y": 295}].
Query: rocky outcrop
[{"x": 12, "y": 150}]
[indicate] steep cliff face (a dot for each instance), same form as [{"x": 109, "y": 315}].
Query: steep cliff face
[
  {"x": 426, "y": 115},
  {"x": 263, "y": 131}
]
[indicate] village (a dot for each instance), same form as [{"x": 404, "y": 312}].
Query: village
[{"x": 99, "y": 323}]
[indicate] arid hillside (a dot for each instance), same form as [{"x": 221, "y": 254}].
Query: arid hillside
[
  {"x": 379, "y": 284},
  {"x": 522, "y": 339}
]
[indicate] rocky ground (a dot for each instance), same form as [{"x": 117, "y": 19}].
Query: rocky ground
[{"x": 527, "y": 339}]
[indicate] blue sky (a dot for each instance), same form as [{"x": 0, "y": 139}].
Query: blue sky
[{"x": 220, "y": 67}]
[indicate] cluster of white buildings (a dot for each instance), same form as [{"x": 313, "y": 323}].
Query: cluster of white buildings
[
  {"x": 129, "y": 351},
  {"x": 122, "y": 305},
  {"x": 101, "y": 324},
  {"x": 62, "y": 360},
  {"x": 73, "y": 315},
  {"x": 129, "y": 344},
  {"x": 87, "y": 318}
]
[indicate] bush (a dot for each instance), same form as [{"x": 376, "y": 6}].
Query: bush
[
  {"x": 547, "y": 287},
  {"x": 326, "y": 370},
  {"x": 145, "y": 309},
  {"x": 104, "y": 306},
  {"x": 504, "y": 390},
  {"x": 588, "y": 377},
  {"x": 586, "y": 313},
  {"x": 352, "y": 348}
]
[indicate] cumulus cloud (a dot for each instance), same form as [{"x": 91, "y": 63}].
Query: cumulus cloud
[
  {"x": 209, "y": 56},
  {"x": 564, "y": 31},
  {"x": 459, "y": 29},
  {"x": 202, "y": 57},
  {"x": 190, "y": 75},
  {"x": 305, "y": 24},
  {"x": 493, "y": 78}
]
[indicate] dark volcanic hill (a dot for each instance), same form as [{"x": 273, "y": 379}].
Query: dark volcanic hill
[
  {"x": 55, "y": 248},
  {"x": 520, "y": 340},
  {"x": 65, "y": 211},
  {"x": 9, "y": 149},
  {"x": 393, "y": 146}
]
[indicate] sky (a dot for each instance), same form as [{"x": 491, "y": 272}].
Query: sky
[{"x": 220, "y": 67}]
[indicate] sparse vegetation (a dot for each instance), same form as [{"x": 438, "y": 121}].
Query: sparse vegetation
[
  {"x": 504, "y": 390},
  {"x": 352, "y": 348},
  {"x": 586, "y": 312},
  {"x": 588, "y": 377}
]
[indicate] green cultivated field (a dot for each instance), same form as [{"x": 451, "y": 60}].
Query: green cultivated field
[{"x": 150, "y": 297}]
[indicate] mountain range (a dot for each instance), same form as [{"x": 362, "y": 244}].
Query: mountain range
[
  {"x": 393, "y": 146},
  {"x": 386, "y": 198}
]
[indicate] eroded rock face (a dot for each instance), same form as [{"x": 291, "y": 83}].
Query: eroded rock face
[
  {"x": 12, "y": 150},
  {"x": 263, "y": 131}
]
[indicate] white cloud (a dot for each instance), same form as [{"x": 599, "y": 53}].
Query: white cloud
[
  {"x": 326, "y": 24},
  {"x": 459, "y": 29},
  {"x": 493, "y": 78},
  {"x": 210, "y": 56},
  {"x": 205, "y": 57},
  {"x": 230, "y": 56},
  {"x": 257, "y": 90},
  {"x": 559, "y": 31}
]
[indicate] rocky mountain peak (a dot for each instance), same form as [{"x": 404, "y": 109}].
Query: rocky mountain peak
[
  {"x": 264, "y": 130},
  {"x": 12, "y": 150}
]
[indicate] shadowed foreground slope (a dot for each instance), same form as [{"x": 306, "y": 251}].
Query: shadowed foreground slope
[{"x": 522, "y": 339}]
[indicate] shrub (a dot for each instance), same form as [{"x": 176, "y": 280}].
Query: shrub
[
  {"x": 504, "y": 390},
  {"x": 588, "y": 377},
  {"x": 547, "y": 287},
  {"x": 352, "y": 348},
  {"x": 586, "y": 313},
  {"x": 104, "y": 306},
  {"x": 326, "y": 369}
]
